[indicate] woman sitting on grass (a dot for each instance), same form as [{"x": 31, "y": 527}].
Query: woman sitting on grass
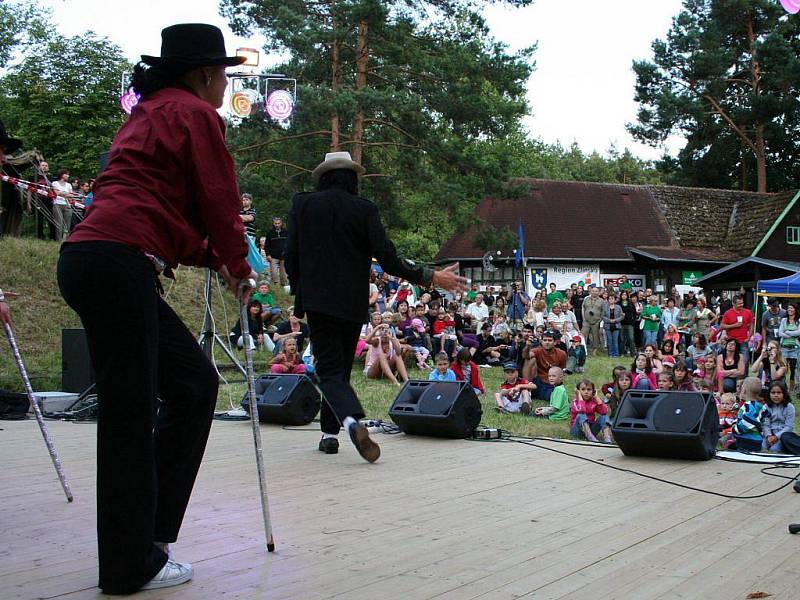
[
  {"x": 770, "y": 365},
  {"x": 730, "y": 365},
  {"x": 651, "y": 352},
  {"x": 383, "y": 355}
]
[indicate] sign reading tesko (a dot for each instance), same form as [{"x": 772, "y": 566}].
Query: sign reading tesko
[{"x": 636, "y": 281}]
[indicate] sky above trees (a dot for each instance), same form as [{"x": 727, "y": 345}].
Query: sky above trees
[{"x": 581, "y": 90}]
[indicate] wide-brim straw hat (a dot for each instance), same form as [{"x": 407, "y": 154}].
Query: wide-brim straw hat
[
  {"x": 337, "y": 160},
  {"x": 192, "y": 44}
]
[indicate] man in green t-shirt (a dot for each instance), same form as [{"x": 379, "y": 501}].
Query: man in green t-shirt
[
  {"x": 558, "y": 409},
  {"x": 625, "y": 285},
  {"x": 553, "y": 297},
  {"x": 651, "y": 315},
  {"x": 269, "y": 312},
  {"x": 472, "y": 292}
]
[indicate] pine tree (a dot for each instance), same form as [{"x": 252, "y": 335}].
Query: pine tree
[
  {"x": 410, "y": 88},
  {"x": 728, "y": 77}
]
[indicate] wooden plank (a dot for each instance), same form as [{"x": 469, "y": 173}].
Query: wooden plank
[{"x": 433, "y": 518}]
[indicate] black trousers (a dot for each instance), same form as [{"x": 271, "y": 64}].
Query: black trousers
[
  {"x": 148, "y": 451},
  {"x": 334, "y": 344}
]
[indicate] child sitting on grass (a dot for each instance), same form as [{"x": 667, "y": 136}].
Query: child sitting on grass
[
  {"x": 607, "y": 388},
  {"x": 442, "y": 372},
  {"x": 576, "y": 356},
  {"x": 414, "y": 336},
  {"x": 642, "y": 375},
  {"x": 588, "y": 415},
  {"x": 466, "y": 370},
  {"x": 666, "y": 381},
  {"x": 779, "y": 418},
  {"x": 515, "y": 393},
  {"x": 288, "y": 361},
  {"x": 622, "y": 383},
  {"x": 750, "y": 419},
  {"x": 558, "y": 409},
  {"x": 726, "y": 408}
]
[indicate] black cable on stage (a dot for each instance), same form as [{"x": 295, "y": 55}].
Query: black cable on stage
[{"x": 765, "y": 470}]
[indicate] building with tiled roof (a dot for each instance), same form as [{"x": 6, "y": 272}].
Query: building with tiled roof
[{"x": 661, "y": 235}]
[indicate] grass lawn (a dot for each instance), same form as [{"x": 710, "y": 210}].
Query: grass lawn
[{"x": 28, "y": 267}]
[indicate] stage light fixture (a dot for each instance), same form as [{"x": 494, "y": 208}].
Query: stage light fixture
[
  {"x": 791, "y": 6},
  {"x": 128, "y": 100},
  {"x": 251, "y": 54},
  {"x": 243, "y": 101},
  {"x": 280, "y": 105}
]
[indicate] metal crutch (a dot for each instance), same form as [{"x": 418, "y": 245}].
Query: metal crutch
[
  {"x": 251, "y": 391},
  {"x": 37, "y": 411}
]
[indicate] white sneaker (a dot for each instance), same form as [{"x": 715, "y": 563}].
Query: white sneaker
[{"x": 172, "y": 573}]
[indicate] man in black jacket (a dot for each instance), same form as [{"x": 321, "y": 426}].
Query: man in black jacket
[
  {"x": 333, "y": 236},
  {"x": 275, "y": 248}
]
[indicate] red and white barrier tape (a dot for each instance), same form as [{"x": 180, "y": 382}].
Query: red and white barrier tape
[{"x": 38, "y": 188}]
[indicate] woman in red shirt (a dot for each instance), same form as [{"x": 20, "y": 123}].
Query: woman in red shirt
[{"x": 168, "y": 196}]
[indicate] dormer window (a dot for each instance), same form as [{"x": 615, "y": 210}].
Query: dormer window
[{"x": 793, "y": 236}]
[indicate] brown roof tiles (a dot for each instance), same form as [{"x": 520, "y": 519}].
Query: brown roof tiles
[{"x": 573, "y": 220}]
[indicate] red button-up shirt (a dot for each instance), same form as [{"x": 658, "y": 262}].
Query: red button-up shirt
[{"x": 170, "y": 186}]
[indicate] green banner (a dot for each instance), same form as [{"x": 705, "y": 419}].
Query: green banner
[{"x": 689, "y": 277}]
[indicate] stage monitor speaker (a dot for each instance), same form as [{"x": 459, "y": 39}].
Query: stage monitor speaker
[
  {"x": 77, "y": 373},
  {"x": 285, "y": 399},
  {"x": 667, "y": 424},
  {"x": 437, "y": 408}
]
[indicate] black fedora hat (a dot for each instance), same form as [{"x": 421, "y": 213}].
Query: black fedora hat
[
  {"x": 11, "y": 144},
  {"x": 192, "y": 44}
]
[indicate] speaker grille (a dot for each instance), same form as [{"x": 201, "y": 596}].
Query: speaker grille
[{"x": 679, "y": 413}]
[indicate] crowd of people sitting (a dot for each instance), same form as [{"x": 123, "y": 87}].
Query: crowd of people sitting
[{"x": 674, "y": 342}]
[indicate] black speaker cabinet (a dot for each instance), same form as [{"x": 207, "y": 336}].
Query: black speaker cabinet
[
  {"x": 77, "y": 373},
  {"x": 437, "y": 408},
  {"x": 285, "y": 399},
  {"x": 667, "y": 424}
]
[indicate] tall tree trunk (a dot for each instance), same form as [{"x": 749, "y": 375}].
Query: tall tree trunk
[
  {"x": 336, "y": 82},
  {"x": 362, "y": 61},
  {"x": 761, "y": 159},
  {"x": 755, "y": 75}
]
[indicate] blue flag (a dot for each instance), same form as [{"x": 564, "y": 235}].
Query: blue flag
[{"x": 519, "y": 253}]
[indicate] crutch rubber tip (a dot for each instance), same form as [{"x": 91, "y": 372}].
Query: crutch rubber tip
[
  {"x": 794, "y": 528},
  {"x": 70, "y": 499},
  {"x": 271, "y": 547}
]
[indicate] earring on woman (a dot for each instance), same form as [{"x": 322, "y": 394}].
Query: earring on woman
[{"x": 208, "y": 80}]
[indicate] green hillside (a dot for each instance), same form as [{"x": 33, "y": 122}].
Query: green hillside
[{"x": 28, "y": 266}]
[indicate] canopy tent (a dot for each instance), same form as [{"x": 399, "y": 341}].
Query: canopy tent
[{"x": 785, "y": 287}]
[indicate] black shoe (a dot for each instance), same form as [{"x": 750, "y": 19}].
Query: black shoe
[
  {"x": 369, "y": 450},
  {"x": 329, "y": 445}
]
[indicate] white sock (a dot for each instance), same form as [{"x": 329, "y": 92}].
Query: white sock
[
  {"x": 325, "y": 436},
  {"x": 348, "y": 422}
]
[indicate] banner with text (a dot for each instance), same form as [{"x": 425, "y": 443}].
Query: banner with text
[
  {"x": 541, "y": 276},
  {"x": 612, "y": 279}
]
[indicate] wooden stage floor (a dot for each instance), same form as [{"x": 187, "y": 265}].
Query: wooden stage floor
[{"x": 432, "y": 519}]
